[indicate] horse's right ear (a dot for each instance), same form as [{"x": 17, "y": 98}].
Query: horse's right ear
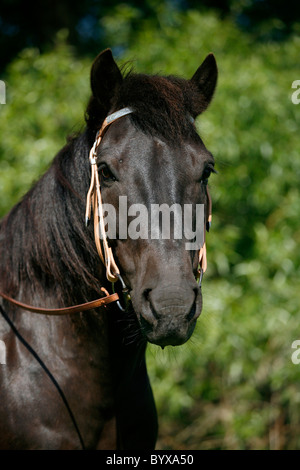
[
  {"x": 105, "y": 79},
  {"x": 205, "y": 80}
]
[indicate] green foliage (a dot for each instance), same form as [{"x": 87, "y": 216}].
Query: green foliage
[
  {"x": 46, "y": 98},
  {"x": 233, "y": 386}
]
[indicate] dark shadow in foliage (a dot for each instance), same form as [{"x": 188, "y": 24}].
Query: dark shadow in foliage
[{"x": 35, "y": 24}]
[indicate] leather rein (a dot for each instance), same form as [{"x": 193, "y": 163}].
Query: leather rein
[{"x": 94, "y": 200}]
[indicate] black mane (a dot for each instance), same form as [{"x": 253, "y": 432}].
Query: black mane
[{"x": 44, "y": 235}]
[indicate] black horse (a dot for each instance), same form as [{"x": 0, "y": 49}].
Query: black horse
[{"x": 80, "y": 381}]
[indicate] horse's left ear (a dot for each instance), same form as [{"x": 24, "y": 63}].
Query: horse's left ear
[
  {"x": 105, "y": 81},
  {"x": 205, "y": 79},
  {"x": 105, "y": 78}
]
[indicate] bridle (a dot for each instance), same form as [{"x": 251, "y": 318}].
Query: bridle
[{"x": 94, "y": 201}]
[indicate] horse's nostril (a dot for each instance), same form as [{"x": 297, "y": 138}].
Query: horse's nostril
[
  {"x": 196, "y": 291},
  {"x": 146, "y": 294},
  {"x": 149, "y": 317},
  {"x": 150, "y": 314},
  {"x": 192, "y": 312}
]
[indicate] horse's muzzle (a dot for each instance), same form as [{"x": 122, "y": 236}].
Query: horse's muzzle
[{"x": 168, "y": 314}]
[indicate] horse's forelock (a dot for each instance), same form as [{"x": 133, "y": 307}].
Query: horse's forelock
[{"x": 160, "y": 104}]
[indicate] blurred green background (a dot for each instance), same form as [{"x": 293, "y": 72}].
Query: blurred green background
[{"x": 233, "y": 385}]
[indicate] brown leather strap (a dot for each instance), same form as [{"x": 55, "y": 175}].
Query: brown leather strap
[
  {"x": 94, "y": 199},
  {"x": 67, "y": 310},
  {"x": 202, "y": 263}
]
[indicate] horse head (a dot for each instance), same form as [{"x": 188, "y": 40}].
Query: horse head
[{"x": 153, "y": 169}]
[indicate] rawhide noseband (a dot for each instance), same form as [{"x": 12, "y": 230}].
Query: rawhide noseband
[{"x": 94, "y": 200}]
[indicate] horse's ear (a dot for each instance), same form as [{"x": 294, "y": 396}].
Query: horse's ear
[
  {"x": 205, "y": 79},
  {"x": 105, "y": 79}
]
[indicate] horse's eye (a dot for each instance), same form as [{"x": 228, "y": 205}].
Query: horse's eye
[
  {"x": 207, "y": 172},
  {"x": 106, "y": 174}
]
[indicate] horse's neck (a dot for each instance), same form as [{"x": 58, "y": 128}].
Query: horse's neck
[{"x": 45, "y": 248}]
